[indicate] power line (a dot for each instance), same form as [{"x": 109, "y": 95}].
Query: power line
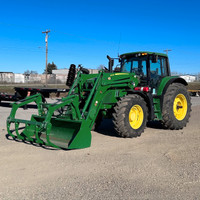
[
  {"x": 167, "y": 50},
  {"x": 76, "y": 36},
  {"x": 55, "y": 31}
]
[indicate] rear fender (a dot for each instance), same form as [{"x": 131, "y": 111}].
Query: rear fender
[
  {"x": 168, "y": 81},
  {"x": 165, "y": 83}
]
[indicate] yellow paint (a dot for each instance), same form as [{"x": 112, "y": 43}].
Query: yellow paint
[
  {"x": 180, "y": 107},
  {"x": 119, "y": 74},
  {"x": 136, "y": 116}
]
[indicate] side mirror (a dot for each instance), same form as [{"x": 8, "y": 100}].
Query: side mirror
[{"x": 154, "y": 58}]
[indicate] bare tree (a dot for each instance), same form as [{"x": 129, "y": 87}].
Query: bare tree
[
  {"x": 50, "y": 67},
  {"x": 100, "y": 67},
  {"x": 28, "y": 72}
]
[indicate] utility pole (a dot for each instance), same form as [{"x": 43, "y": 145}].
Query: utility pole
[
  {"x": 46, "y": 40},
  {"x": 167, "y": 50}
]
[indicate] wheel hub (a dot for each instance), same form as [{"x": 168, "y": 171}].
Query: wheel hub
[
  {"x": 136, "y": 116},
  {"x": 180, "y": 107}
]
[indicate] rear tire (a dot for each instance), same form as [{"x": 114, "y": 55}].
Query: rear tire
[
  {"x": 130, "y": 116},
  {"x": 176, "y": 107}
]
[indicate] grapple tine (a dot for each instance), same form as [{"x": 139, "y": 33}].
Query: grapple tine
[
  {"x": 9, "y": 131},
  {"x": 38, "y": 140},
  {"x": 17, "y": 131}
]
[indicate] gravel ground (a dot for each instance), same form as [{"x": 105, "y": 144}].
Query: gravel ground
[{"x": 161, "y": 164}]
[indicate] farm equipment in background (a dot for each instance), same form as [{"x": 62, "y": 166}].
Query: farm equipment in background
[
  {"x": 194, "y": 93},
  {"x": 142, "y": 91},
  {"x": 23, "y": 92}
]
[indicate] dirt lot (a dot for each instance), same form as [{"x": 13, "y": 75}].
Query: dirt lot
[{"x": 161, "y": 164}]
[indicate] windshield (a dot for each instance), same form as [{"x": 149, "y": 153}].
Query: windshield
[{"x": 134, "y": 65}]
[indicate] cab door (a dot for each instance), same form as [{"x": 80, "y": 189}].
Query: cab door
[{"x": 158, "y": 70}]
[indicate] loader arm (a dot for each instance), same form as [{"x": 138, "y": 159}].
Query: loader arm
[{"x": 67, "y": 124}]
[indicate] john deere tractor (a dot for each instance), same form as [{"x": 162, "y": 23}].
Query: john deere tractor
[{"x": 141, "y": 90}]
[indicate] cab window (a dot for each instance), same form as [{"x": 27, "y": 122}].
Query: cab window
[
  {"x": 135, "y": 65},
  {"x": 127, "y": 66},
  {"x": 155, "y": 72},
  {"x": 159, "y": 68},
  {"x": 164, "y": 66},
  {"x": 155, "y": 68}
]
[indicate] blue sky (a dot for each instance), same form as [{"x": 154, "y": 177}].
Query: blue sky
[{"x": 84, "y": 32}]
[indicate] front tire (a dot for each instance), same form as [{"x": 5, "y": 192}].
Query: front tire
[
  {"x": 176, "y": 107},
  {"x": 130, "y": 116}
]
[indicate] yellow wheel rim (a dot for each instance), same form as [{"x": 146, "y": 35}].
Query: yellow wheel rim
[
  {"x": 180, "y": 107},
  {"x": 136, "y": 116}
]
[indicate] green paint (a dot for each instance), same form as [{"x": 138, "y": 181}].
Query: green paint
[
  {"x": 157, "y": 109},
  {"x": 140, "y": 52},
  {"x": 163, "y": 83},
  {"x": 67, "y": 124}
]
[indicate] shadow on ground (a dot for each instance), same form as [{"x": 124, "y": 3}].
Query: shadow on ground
[
  {"x": 107, "y": 127},
  {"x": 8, "y": 137}
]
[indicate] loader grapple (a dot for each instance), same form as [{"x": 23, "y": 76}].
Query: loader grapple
[{"x": 49, "y": 130}]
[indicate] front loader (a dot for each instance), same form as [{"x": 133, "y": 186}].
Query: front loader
[{"x": 141, "y": 91}]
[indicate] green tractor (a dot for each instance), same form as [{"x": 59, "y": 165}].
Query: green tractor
[{"x": 141, "y": 90}]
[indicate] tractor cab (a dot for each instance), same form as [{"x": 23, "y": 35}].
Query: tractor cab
[{"x": 149, "y": 67}]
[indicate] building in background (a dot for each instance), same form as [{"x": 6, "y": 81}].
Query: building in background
[
  {"x": 19, "y": 78},
  {"x": 189, "y": 78},
  {"x": 60, "y": 71},
  {"x": 93, "y": 71},
  {"x": 6, "y": 77},
  {"x": 58, "y": 76},
  {"x": 61, "y": 74}
]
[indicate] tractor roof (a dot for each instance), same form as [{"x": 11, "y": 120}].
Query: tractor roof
[{"x": 143, "y": 52}]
